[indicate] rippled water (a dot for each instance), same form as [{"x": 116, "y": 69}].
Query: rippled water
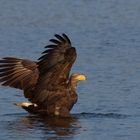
[{"x": 107, "y": 37}]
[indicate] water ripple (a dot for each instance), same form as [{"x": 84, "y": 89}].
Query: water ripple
[{"x": 101, "y": 115}]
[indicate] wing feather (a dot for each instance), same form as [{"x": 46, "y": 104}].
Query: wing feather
[
  {"x": 18, "y": 73},
  {"x": 54, "y": 67},
  {"x": 55, "y": 53}
]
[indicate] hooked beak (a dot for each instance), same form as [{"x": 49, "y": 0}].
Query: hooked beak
[{"x": 81, "y": 77}]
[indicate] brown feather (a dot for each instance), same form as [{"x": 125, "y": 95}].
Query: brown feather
[
  {"x": 45, "y": 83},
  {"x": 14, "y": 71}
]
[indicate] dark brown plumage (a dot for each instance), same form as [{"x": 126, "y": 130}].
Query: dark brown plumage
[{"x": 45, "y": 83}]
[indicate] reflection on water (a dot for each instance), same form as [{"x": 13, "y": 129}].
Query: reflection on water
[
  {"x": 42, "y": 127},
  {"x": 48, "y": 127},
  {"x": 59, "y": 126}
]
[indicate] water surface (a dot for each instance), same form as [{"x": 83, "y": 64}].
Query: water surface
[{"x": 107, "y": 37}]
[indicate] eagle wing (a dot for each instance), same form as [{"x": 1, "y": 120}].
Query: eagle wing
[
  {"x": 54, "y": 67},
  {"x": 18, "y": 73},
  {"x": 57, "y": 60}
]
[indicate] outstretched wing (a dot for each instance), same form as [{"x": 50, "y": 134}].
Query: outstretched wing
[
  {"x": 18, "y": 73},
  {"x": 54, "y": 66},
  {"x": 57, "y": 60}
]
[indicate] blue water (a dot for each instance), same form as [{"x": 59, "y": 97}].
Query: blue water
[{"x": 106, "y": 34}]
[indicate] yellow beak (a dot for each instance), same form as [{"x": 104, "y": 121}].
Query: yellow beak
[{"x": 81, "y": 77}]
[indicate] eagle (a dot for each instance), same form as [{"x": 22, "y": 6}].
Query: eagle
[{"x": 46, "y": 83}]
